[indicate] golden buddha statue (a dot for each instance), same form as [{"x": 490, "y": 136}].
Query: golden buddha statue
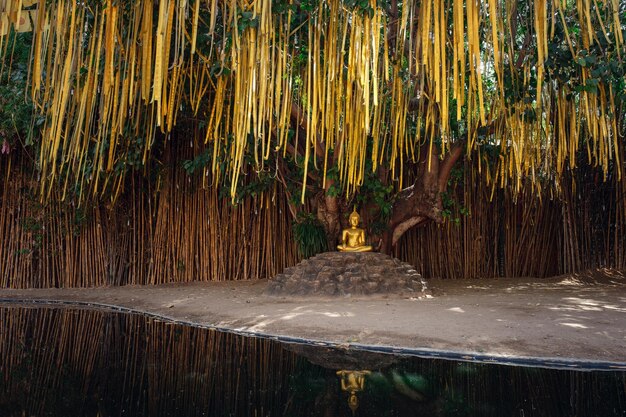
[{"x": 353, "y": 239}]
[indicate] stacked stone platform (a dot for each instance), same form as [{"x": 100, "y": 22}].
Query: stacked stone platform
[{"x": 349, "y": 274}]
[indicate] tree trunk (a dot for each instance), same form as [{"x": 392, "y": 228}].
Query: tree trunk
[
  {"x": 416, "y": 205},
  {"x": 421, "y": 203},
  {"x": 329, "y": 214}
]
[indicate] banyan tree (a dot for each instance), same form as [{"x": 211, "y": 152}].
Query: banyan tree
[{"x": 335, "y": 103}]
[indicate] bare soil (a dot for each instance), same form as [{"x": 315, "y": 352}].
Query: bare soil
[{"x": 579, "y": 317}]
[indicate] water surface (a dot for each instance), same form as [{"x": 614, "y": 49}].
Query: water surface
[{"x": 75, "y": 362}]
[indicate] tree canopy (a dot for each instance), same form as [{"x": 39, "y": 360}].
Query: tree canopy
[{"x": 331, "y": 95}]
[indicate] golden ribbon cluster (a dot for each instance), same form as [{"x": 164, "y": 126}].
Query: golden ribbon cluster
[{"x": 106, "y": 74}]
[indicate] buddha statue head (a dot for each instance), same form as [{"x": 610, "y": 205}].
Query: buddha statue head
[
  {"x": 353, "y": 403},
  {"x": 354, "y": 218}
]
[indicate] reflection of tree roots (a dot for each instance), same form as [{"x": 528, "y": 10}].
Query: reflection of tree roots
[{"x": 402, "y": 387}]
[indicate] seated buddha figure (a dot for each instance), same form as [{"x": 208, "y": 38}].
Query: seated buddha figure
[{"x": 353, "y": 239}]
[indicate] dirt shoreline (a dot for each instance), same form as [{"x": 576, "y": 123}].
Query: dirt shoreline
[{"x": 579, "y": 318}]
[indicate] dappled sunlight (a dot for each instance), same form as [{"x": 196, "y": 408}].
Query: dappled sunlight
[
  {"x": 478, "y": 287},
  {"x": 612, "y": 307},
  {"x": 590, "y": 308},
  {"x": 574, "y": 325},
  {"x": 583, "y": 304},
  {"x": 261, "y": 321},
  {"x": 583, "y": 301},
  {"x": 311, "y": 312},
  {"x": 569, "y": 308},
  {"x": 571, "y": 282},
  {"x": 517, "y": 288},
  {"x": 457, "y": 310}
]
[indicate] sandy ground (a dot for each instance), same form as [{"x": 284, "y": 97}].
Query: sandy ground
[{"x": 579, "y": 318}]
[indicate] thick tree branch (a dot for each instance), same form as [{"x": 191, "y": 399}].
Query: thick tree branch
[
  {"x": 281, "y": 176},
  {"x": 392, "y": 32},
  {"x": 457, "y": 150},
  {"x": 403, "y": 227},
  {"x": 523, "y": 51},
  {"x": 417, "y": 204}
]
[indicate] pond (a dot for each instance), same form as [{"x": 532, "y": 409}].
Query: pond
[{"x": 79, "y": 362}]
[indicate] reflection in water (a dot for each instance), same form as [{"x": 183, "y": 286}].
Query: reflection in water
[
  {"x": 60, "y": 362},
  {"x": 352, "y": 382}
]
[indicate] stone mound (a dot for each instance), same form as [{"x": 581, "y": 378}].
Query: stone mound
[{"x": 349, "y": 274}]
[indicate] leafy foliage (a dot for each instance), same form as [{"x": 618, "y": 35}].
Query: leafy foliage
[
  {"x": 310, "y": 236},
  {"x": 18, "y": 127},
  {"x": 375, "y": 193},
  {"x": 289, "y": 95}
]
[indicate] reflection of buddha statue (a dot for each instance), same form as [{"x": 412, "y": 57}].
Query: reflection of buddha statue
[
  {"x": 353, "y": 239},
  {"x": 353, "y": 403},
  {"x": 352, "y": 382}
]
